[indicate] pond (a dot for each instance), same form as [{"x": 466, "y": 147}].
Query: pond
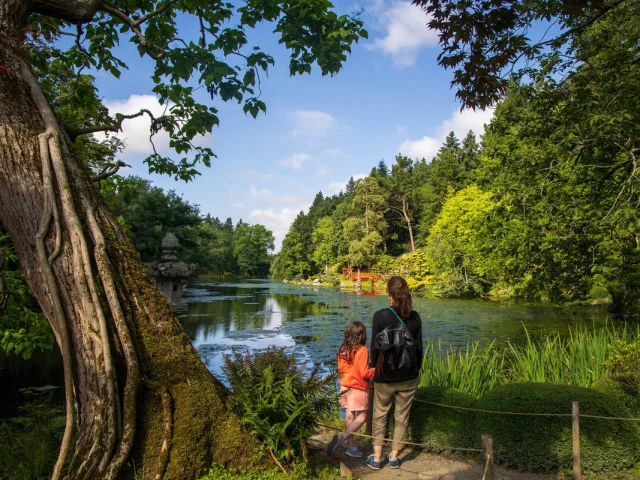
[{"x": 309, "y": 321}]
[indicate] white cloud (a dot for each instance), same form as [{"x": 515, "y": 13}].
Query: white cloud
[
  {"x": 311, "y": 123},
  {"x": 406, "y": 32},
  {"x": 237, "y": 205},
  {"x": 401, "y": 131},
  {"x": 294, "y": 161},
  {"x": 338, "y": 186},
  {"x": 135, "y": 132},
  {"x": 276, "y": 220},
  {"x": 426, "y": 147},
  {"x": 460, "y": 122},
  {"x": 267, "y": 197}
]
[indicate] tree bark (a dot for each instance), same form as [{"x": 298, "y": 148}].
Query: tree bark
[
  {"x": 137, "y": 391},
  {"x": 409, "y": 224}
]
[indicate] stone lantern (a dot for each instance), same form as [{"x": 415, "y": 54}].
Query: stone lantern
[{"x": 170, "y": 273}]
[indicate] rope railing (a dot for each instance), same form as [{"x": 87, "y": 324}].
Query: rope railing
[
  {"x": 423, "y": 445},
  {"x": 525, "y": 414},
  {"x": 487, "y": 440}
]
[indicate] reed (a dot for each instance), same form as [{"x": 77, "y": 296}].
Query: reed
[
  {"x": 474, "y": 370},
  {"x": 577, "y": 359}
]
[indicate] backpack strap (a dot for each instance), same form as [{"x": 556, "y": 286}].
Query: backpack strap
[{"x": 397, "y": 316}]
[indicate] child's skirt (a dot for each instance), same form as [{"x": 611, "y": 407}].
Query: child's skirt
[{"x": 353, "y": 399}]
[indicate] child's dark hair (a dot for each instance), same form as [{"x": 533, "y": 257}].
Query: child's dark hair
[
  {"x": 355, "y": 335},
  {"x": 398, "y": 289}
]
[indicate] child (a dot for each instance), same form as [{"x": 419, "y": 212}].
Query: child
[{"x": 354, "y": 374}]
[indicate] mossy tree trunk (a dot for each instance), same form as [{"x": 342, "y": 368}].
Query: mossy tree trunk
[{"x": 137, "y": 391}]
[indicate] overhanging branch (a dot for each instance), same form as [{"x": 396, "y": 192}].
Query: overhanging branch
[
  {"x": 72, "y": 11},
  {"x": 109, "y": 172},
  {"x": 134, "y": 25},
  {"x": 116, "y": 127}
]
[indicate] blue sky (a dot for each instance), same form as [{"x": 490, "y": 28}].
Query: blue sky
[{"x": 391, "y": 97}]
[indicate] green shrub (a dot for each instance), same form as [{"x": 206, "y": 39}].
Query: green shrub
[
  {"x": 599, "y": 293},
  {"x": 277, "y": 401},
  {"x": 331, "y": 278},
  {"x": 29, "y": 443},
  {"x": 624, "y": 360},
  {"x": 623, "y": 389},
  {"x": 441, "y": 427},
  {"x": 544, "y": 443}
]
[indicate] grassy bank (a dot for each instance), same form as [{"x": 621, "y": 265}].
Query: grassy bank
[{"x": 580, "y": 359}]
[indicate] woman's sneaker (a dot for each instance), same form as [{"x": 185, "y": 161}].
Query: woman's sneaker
[
  {"x": 393, "y": 462},
  {"x": 354, "y": 452},
  {"x": 372, "y": 463},
  {"x": 335, "y": 444}
]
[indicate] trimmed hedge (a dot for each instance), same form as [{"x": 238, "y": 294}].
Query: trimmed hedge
[
  {"x": 621, "y": 388},
  {"x": 544, "y": 443},
  {"x": 443, "y": 427}
]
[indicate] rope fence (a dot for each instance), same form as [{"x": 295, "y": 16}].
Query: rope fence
[
  {"x": 487, "y": 440},
  {"x": 423, "y": 445},
  {"x": 524, "y": 414}
]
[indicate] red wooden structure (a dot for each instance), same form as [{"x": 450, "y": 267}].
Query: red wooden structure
[{"x": 353, "y": 276}]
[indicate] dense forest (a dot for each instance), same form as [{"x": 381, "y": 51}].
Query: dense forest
[
  {"x": 545, "y": 207},
  {"x": 216, "y": 247}
]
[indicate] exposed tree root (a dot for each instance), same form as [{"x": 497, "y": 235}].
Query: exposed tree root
[{"x": 109, "y": 423}]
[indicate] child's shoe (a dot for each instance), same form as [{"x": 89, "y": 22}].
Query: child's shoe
[
  {"x": 354, "y": 452},
  {"x": 372, "y": 463},
  {"x": 393, "y": 462},
  {"x": 335, "y": 444}
]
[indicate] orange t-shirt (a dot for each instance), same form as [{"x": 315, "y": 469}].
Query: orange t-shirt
[{"x": 357, "y": 374}]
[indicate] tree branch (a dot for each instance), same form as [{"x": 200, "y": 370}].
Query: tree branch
[
  {"x": 72, "y": 11},
  {"x": 149, "y": 15},
  {"x": 106, "y": 172},
  {"x": 588, "y": 22},
  {"x": 116, "y": 127},
  {"x": 134, "y": 26}
]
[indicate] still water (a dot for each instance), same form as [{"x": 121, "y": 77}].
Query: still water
[{"x": 309, "y": 321}]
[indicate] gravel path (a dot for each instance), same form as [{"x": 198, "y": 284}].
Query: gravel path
[{"x": 418, "y": 465}]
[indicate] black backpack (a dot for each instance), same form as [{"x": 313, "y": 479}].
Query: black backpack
[{"x": 398, "y": 356}]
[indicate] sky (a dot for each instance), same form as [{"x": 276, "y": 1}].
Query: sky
[{"x": 390, "y": 98}]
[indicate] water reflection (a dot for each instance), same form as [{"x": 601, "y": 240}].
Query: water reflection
[{"x": 309, "y": 322}]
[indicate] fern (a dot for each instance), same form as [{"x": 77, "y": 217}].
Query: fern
[{"x": 278, "y": 401}]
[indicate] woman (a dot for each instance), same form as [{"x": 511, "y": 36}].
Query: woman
[{"x": 398, "y": 381}]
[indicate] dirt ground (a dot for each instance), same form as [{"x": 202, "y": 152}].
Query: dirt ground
[{"x": 417, "y": 465}]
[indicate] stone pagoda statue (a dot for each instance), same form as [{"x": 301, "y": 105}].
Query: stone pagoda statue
[{"x": 170, "y": 273}]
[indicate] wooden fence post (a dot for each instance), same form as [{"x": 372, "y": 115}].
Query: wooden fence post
[
  {"x": 369, "y": 427},
  {"x": 577, "y": 464},
  {"x": 487, "y": 457}
]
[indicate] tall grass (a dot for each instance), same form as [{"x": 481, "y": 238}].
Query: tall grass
[
  {"x": 474, "y": 370},
  {"x": 578, "y": 359}
]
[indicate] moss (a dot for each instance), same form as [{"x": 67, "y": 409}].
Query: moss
[{"x": 204, "y": 429}]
